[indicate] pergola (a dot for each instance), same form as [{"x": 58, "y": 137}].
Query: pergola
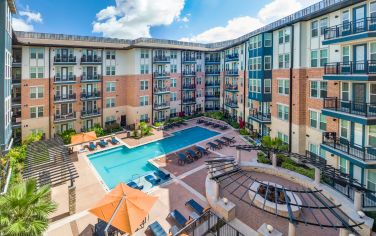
[
  {"x": 48, "y": 162},
  {"x": 303, "y": 205}
]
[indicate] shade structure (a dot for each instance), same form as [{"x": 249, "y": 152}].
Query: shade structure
[
  {"x": 83, "y": 137},
  {"x": 133, "y": 207}
]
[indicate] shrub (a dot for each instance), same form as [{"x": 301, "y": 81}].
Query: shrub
[
  {"x": 158, "y": 124},
  {"x": 145, "y": 129},
  {"x": 111, "y": 128},
  {"x": 243, "y": 131},
  {"x": 234, "y": 124},
  {"x": 261, "y": 158},
  {"x": 66, "y": 135},
  {"x": 98, "y": 130},
  {"x": 310, "y": 173}
]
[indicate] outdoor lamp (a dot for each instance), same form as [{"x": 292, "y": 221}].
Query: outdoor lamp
[
  {"x": 270, "y": 228},
  {"x": 225, "y": 200},
  {"x": 361, "y": 214}
]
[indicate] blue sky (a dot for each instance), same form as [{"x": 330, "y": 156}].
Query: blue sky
[{"x": 189, "y": 20}]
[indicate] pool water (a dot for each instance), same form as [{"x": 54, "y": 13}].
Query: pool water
[{"x": 123, "y": 164}]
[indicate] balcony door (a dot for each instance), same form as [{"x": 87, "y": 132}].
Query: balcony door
[
  {"x": 64, "y": 91},
  {"x": 64, "y": 54},
  {"x": 359, "y": 19},
  {"x": 89, "y": 89},
  {"x": 360, "y": 58},
  {"x": 359, "y": 97},
  {"x": 160, "y": 69},
  {"x": 64, "y": 73},
  {"x": 358, "y": 135}
]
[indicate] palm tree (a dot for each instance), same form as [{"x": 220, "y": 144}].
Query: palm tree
[
  {"x": 273, "y": 145},
  {"x": 25, "y": 209}
]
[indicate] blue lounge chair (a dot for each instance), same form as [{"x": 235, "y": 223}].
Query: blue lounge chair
[
  {"x": 229, "y": 140},
  {"x": 196, "y": 207},
  {"x": 102, "y": 143},
  {"x": 193, "y": 154},
  {"x": 220, "y": 142},
  {"x": 151, "y": 179},
  {"x": 113, "y": 141},
  {"x": 135, "y": 186},
  {"x": 183, "y": 159},
  {"x": 162, "y": 175},
  {"x": 92, "y": 146},
  {"x": 203, "y": 151},
  {"x": 178, "y": 217},
  {"x": 224, "y": 127},
  {"x": 199, "y": 121},
  {"x": 156, "y": 229},
  {"x": 213, "y": 146}
]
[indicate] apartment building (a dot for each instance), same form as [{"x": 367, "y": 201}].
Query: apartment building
[
  {"x": 7, "y": 8},
  {"x": 213, "y": 66}
]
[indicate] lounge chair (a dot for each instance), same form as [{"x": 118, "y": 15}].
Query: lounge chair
[
  {"x": 162, "y": 175},
  {"x": 224, "y": 127},
  {"x": 220, "y": 142},
  {"x": 199, "y": 121},
  {"x": 193, "y": 154},
  {"x": 102, "y": 143},
  {"x": 183, "y": 159},
  {"x": 207, "y": 123},
  {"x": 196, "y": 207},
  {"x": 213, "y": 146},
  {"x": 151, "y": 179},
  {"x": 101, "y": 226},
  {"x": 178, "y": 218},
  {"x": 135, "y": 186},
  {"x": 113, "y": 141},
  {"x": 203, "y": 151},
  {"x": 216, "y": 125},
  {"x": 156, "y": 229},
  {"x": 92, "y": 146},
  {"x": 229, "y": 140}
]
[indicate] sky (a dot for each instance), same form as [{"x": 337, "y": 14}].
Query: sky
[{"x": 201, "y": 21}]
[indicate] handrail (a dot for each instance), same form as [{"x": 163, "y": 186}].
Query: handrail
[
  {"x": 351, "y": 27},
  {"x": 350, "y": 67}
]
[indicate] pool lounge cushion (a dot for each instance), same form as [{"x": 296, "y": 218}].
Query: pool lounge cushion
[
  {"x": 196, "y": 206},
  {"x": 162, "y": 175},
  {"x": 178, "y": 217},
  {"x": 152, "y": 179},
  {"x": 135, "y": 186},
  {"x": 157, "y": 229}
]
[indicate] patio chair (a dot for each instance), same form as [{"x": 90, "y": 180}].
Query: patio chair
[
  {"x": 100, "y": 227},
  {"x": 156, "y": 229},
  {"x": 203, "y": 151},
  {"x": 216, "y": 125},
  {"x": 196, "y": 207},
  {"x": 162, "y": 175},
  {"x": 102, "y": 143},
  {"x": 92, "y": 146},
  {"x": 220, "y": 142},
  {"x": 229, "y": 140},
  {"x": 224, "y": 127},
  {"x": 208, "y": 123},
  {"x": 135, "y": 185},
  {"x": 199, "y": 121},
  {"x": 213, "y": 146},
  {"x": 113, "y": 141},
  {"x": 178, "y": 218},
  {"x": 151, "y": 179},
  {"x": 193, "y": 154},
  {"x": 184, "y": 159}
]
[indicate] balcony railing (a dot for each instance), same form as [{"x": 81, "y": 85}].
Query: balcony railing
[
  {"x": 16, "y": 80},
  {"x": 161, "y": 74},
  {"x": 161, "y": 105},
  {"x": 89, "y": 78},
  {"x": 234, "y": 56},
  {"x": 189, "y": 73},
  {"x": 215, "y": 83},
  {"x": 261, "y": 116},
  {"x": 350, "y": 107},
  {"x": 161, "y": 89},
  {"x": 232, "y": 72},
  {"x": 212, "y": 108},
  {"x": 358, "y": 152},
  {"x": 63, "y": 60},
  {"x": 91, "y": 60},
  {"x": 231, "y": 103},
  {"x": 90, "y": 113},
  {"x": 64, "y": 117},
  {"x": 189, "y": 59},
  {"x": 212, "y": 72},
  {"x": 189, "y": 86},
  {"x": 161, "y": 59},
  {"x": 348, "y": 68},
  {"x": 213, "y": 60},
  {"x": 231, "y": 87},
  {"x": 189, "y": 100},
  {"x": 349, "y": 28},
  {"x": 65, "y": 97},
  {"x": 92, "y": 95},
  {"x": 16, "y": 100},
  {"x": 65, "y": 79},
  {"x": 212, "y": 96}
]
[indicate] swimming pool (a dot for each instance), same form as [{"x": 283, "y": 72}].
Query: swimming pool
[{"x": 122, "y": 164}]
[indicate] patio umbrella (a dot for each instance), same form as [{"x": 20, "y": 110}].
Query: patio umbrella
[
  {"x": 125, "y": 207},
  {"x": 83, "y": 137}
]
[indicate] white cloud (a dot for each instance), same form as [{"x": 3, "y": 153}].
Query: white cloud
[
  {"x": 26, "y": 19},
  {"x": 133, "y": 18},
  {"x": 239, "y": 26}
]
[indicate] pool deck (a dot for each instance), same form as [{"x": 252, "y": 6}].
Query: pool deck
[{"x": 188, "y": 182}]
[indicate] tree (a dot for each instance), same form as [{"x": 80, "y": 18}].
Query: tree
[
  {"x": 25, "y": 209},
  {"x": 67, "y": 134},
  {"x": 274, "y": 144},
  {"x": 145, "y": 129}
]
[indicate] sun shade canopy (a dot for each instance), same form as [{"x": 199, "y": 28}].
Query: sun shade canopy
[{"x": 83, "y": 137}]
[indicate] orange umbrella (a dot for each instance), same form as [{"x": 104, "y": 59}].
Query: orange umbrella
[
  {"x": 83, "y": 137},
  {"x": 131, "y": 206}
]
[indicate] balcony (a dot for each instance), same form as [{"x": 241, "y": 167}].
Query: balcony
[
  {"x": 71, "y": 60},
  {"x": 17, "y": 62},
  {"x": 16, "y": 101},
  {"x": 161, "y": 90},
  {"x": 212, "y": 72},
  {"x": 232, "y": 57},
  {"x": 231, "y": 103},
  {"x": 342, "y": 147},
  {"x": 161, "y": 105},
  {"x": 189, "y": 59},
  {"x": 90, "y": 96},
  {"x": 161, "y": 75},
  {"x": 189, "y": 73},
  {"x": 16, "y": 80},
  {"x": 231, "y": 88},
  {"x": 360, "y": 29},
  {"x": 187, "y": 101},
  {"x": 161, "y": 59},
  {"x": 212, "y": 108},
  {"x": 360, "y": 112},
  {"x": 90, "y": 113},
  {"x": 189, "y": 86},
  {"x": 91, "y": 78},
  {"x": 67, "y": 79},
  {"x": 91, "y": 60},
  {"x": 65, "y": 98},
  {"x": 16, "y": 120},
  {"x": 58, "y": 118},
  {"x": 211, "y": 61},
  {"x": 259, "y": 116},
  {"x": 212, "y": 83},
  {"x": 360, "y": 71},
  {"x": 211, "y": 97},
  {"x": 232, "y": 72}
]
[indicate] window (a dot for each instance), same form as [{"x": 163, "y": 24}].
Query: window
[
  {"x": 372, "y": 93},
  {"x": 144, "y": 53},
  {"x": 267, "y": 63},
  {"x": 314, "y": 58},
  {"x": 36, "y": 53},
  {"x": 173, "y": 83},
  {"x": 287, "y": 60},
  {"x": 313, "y": 119},
  {"x": 344, "y": 129},
  {"x": 343, "y": 165},
  {"x": 36, "y": 112},
  {"x": 345, "y": 91},
  {"x": 110, "y": 102},
  {"x": 174, "y": 54},
  {"x": 110, "y": 70},
  {"x": 372, "y": 12},
  {"x": 144, "y": 101},
  {"x": 346, "y": 54},
  {"x": 371, "y": 180},
  {"x": 323, "y": 122},
  {"x": 280, "y": 36},
  {"x": 36, "y": 92},
  {"x": 372, "y": 135},
  {"x": 144, "y": 85},
  {"x": 283, "y": 87},
  {"x": 144, "y": 69},
  {"x": 110, "y": 54},
  {"x": 323, "y": 25},
  {"x": 283, "y": 137},
  {"x": 173, "y": 96},
  {"x": 267, "y": 85},
  {"x": 258, "y": 63},
  {"x": 280, "y": 61},
  {"x": 323, "y": 57},
  {"x": 346, "y": 20},
  {"x": 318, "y": 89},
  {"x": 317, "y": 120},
  {"x": 144, "y": 117},
  {"x": 283, "y": 112},
  {"x": 268, "y": 40},
  {"x": 110, "y": 86},
  {"x": 174, "y": 68},
  {"x": 314, "y": 29},
  {"x": 255, "y": 85},
  {"x": 36, "y": 72},
  {"x": 287, "y": 35},
  {"x": 373, "y": 51}
]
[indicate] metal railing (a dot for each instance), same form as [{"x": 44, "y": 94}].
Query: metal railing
[
  {"x": 213, "y": 60},
  {"x": 163, "y": 59},
  {"x": 189, "y": 86},
  {"x": 161, "y": 89},
  {"x": 260, "y": 115},
  {"x": 351, "y": 27},
  {"x": 65, "y": 78},
  {"x": 234, "y": 56},
  {"x": 215, "y": 83},
  {"x": 61, "y": 59},
  {"x": 189, "y": 100},
  {"x": 64, "y": 97},
  {"x": 356, "y": 108},
  {"x": 231, "y": 87},
  {"x": 161, "y": 105},
  {"x": 94, "y": 112},
  {"x": 355, "y": 151},
  {"x": 348, "y": 68},
  {"x": 189, "y": 73},
  {"x": 231, "y": 103},
  {"x": 96, "y": 94},
  {"x": 232, "y": 72},
  {"x": 91, "y": 77},
  {"x": 189, "y": 59},
  {"x": 91, "y": 59},
  {"x": 212, "y": 72},
  {"x": 161, "y": 74},
  {"x": 62, "y": 117}
]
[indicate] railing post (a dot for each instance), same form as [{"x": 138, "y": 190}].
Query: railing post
[
  {"x": 336, "y": 104},
  {"x": 350, "y": 107}
]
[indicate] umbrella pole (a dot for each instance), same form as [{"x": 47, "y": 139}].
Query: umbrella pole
[{"x": 113, "y": 215}]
